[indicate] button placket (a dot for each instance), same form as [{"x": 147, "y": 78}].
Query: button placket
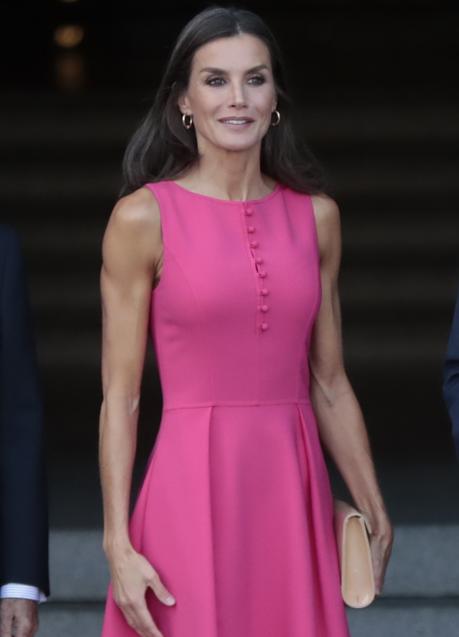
[{"x": 263, "y": 291}]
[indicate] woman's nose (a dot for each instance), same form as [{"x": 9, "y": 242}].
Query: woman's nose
[{"x": 237, "y": 95}]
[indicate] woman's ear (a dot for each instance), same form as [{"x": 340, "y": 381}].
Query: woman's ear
[{"x": 183, "y": 103}]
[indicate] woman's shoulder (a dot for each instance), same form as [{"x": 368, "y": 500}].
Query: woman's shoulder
[
  {"x": 138, "y": 209},
  {"x": 328, "y": 223},
  {"x": 326, "y": 209},
  {"x": 134, "y": 221}
]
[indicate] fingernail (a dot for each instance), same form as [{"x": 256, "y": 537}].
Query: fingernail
[{"x": 170, "y": 599}]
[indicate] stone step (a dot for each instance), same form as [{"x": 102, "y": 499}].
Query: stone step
[
  {"x": 364, "y": 293},
  {"x": 417, "y": 493},
  {"x": 406, "y": 617},
  {"x": 411, "y": 617},
  {"x": 367, "y": 344},
  {"x": 420, "y": 565},
  {"x": 389, "y": 231},
  {"x": 70, "y": 619},
  {"x": 417, "y": 496},
  {"x": 105, "y": 122},
  {"x": 36, "y": 183},
  {"x": 357, "y": 209}
]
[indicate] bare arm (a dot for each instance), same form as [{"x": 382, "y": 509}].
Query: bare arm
[
  {"x": 130, "y": 251},
  {"x": 340, "y": 420}
]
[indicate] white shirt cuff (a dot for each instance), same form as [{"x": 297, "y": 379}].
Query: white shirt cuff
[{"x": 22, "y": 591}]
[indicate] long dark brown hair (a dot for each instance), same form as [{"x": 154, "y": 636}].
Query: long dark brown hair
[{"x": 161, "y": 147}]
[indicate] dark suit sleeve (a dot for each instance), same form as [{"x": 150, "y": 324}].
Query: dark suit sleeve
[
  {"x": 451, "y": 377},
  {"x": 23, "y": 503}
]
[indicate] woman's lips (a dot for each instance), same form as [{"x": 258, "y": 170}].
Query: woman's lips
[{"x": 235, "y": 123}]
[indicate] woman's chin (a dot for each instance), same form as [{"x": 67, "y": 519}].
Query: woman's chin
[{"x": 237, "y": 144}]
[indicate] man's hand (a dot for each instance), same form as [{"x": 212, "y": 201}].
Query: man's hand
[{"x": 18, "y": 617}]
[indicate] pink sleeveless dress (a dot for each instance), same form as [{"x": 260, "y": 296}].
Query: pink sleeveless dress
[{"x": 235, "y": 512}]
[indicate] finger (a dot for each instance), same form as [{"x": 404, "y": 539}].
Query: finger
[
  {"x": 6, "y": 619},
  {"x": 374, "y": 553},
  {"x": 25, "y": 627},
  {"x": 25, "y": 617},
  {"x": 139, "y": 618},
  {"x": 160, "y": 590}
]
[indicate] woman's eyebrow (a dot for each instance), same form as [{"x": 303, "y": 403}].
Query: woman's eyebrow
[{"x": 212, "y": 69}]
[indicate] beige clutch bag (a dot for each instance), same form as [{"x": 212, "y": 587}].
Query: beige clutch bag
[{"x": 352, "y": 530}]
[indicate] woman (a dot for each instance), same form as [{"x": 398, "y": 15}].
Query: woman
[{"x": 226, "y": 246}]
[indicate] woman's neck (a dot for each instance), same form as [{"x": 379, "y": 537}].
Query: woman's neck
[{"x": 224, "y": 183}]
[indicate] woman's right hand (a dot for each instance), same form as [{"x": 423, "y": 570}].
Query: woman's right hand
[{"x": 131, "y": 575}]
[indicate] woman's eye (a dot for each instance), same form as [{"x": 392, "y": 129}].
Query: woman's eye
[
  {"x": 260, "y": 79},
  {"x": 218, "y": 81},
  {"x": 213, "y": 81}
]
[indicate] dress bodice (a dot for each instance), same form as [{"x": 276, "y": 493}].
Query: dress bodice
[{"x": 232, "y": 315}]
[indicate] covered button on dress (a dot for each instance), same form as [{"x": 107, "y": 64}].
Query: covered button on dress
[{"x": 236, "y": 510}]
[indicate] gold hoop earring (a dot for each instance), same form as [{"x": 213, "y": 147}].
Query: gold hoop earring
[
  {"x": 190, "y": 121},
  {"x": 276, "y": 123}
]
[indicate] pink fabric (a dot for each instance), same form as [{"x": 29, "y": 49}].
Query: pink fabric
[{"x": 236, "y": 510}]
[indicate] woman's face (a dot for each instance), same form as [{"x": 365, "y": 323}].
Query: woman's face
[{"x": 230, "y": 77}]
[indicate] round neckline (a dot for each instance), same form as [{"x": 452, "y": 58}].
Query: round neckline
[{"x": 273, "y": 192}]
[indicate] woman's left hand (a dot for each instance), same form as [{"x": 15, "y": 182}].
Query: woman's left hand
[{"x": 381, "y": 541}]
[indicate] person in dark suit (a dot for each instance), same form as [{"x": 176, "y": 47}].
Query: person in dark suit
[
  {"x": 451, "y": 377},
  {"x": 24, "y": 576}
]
